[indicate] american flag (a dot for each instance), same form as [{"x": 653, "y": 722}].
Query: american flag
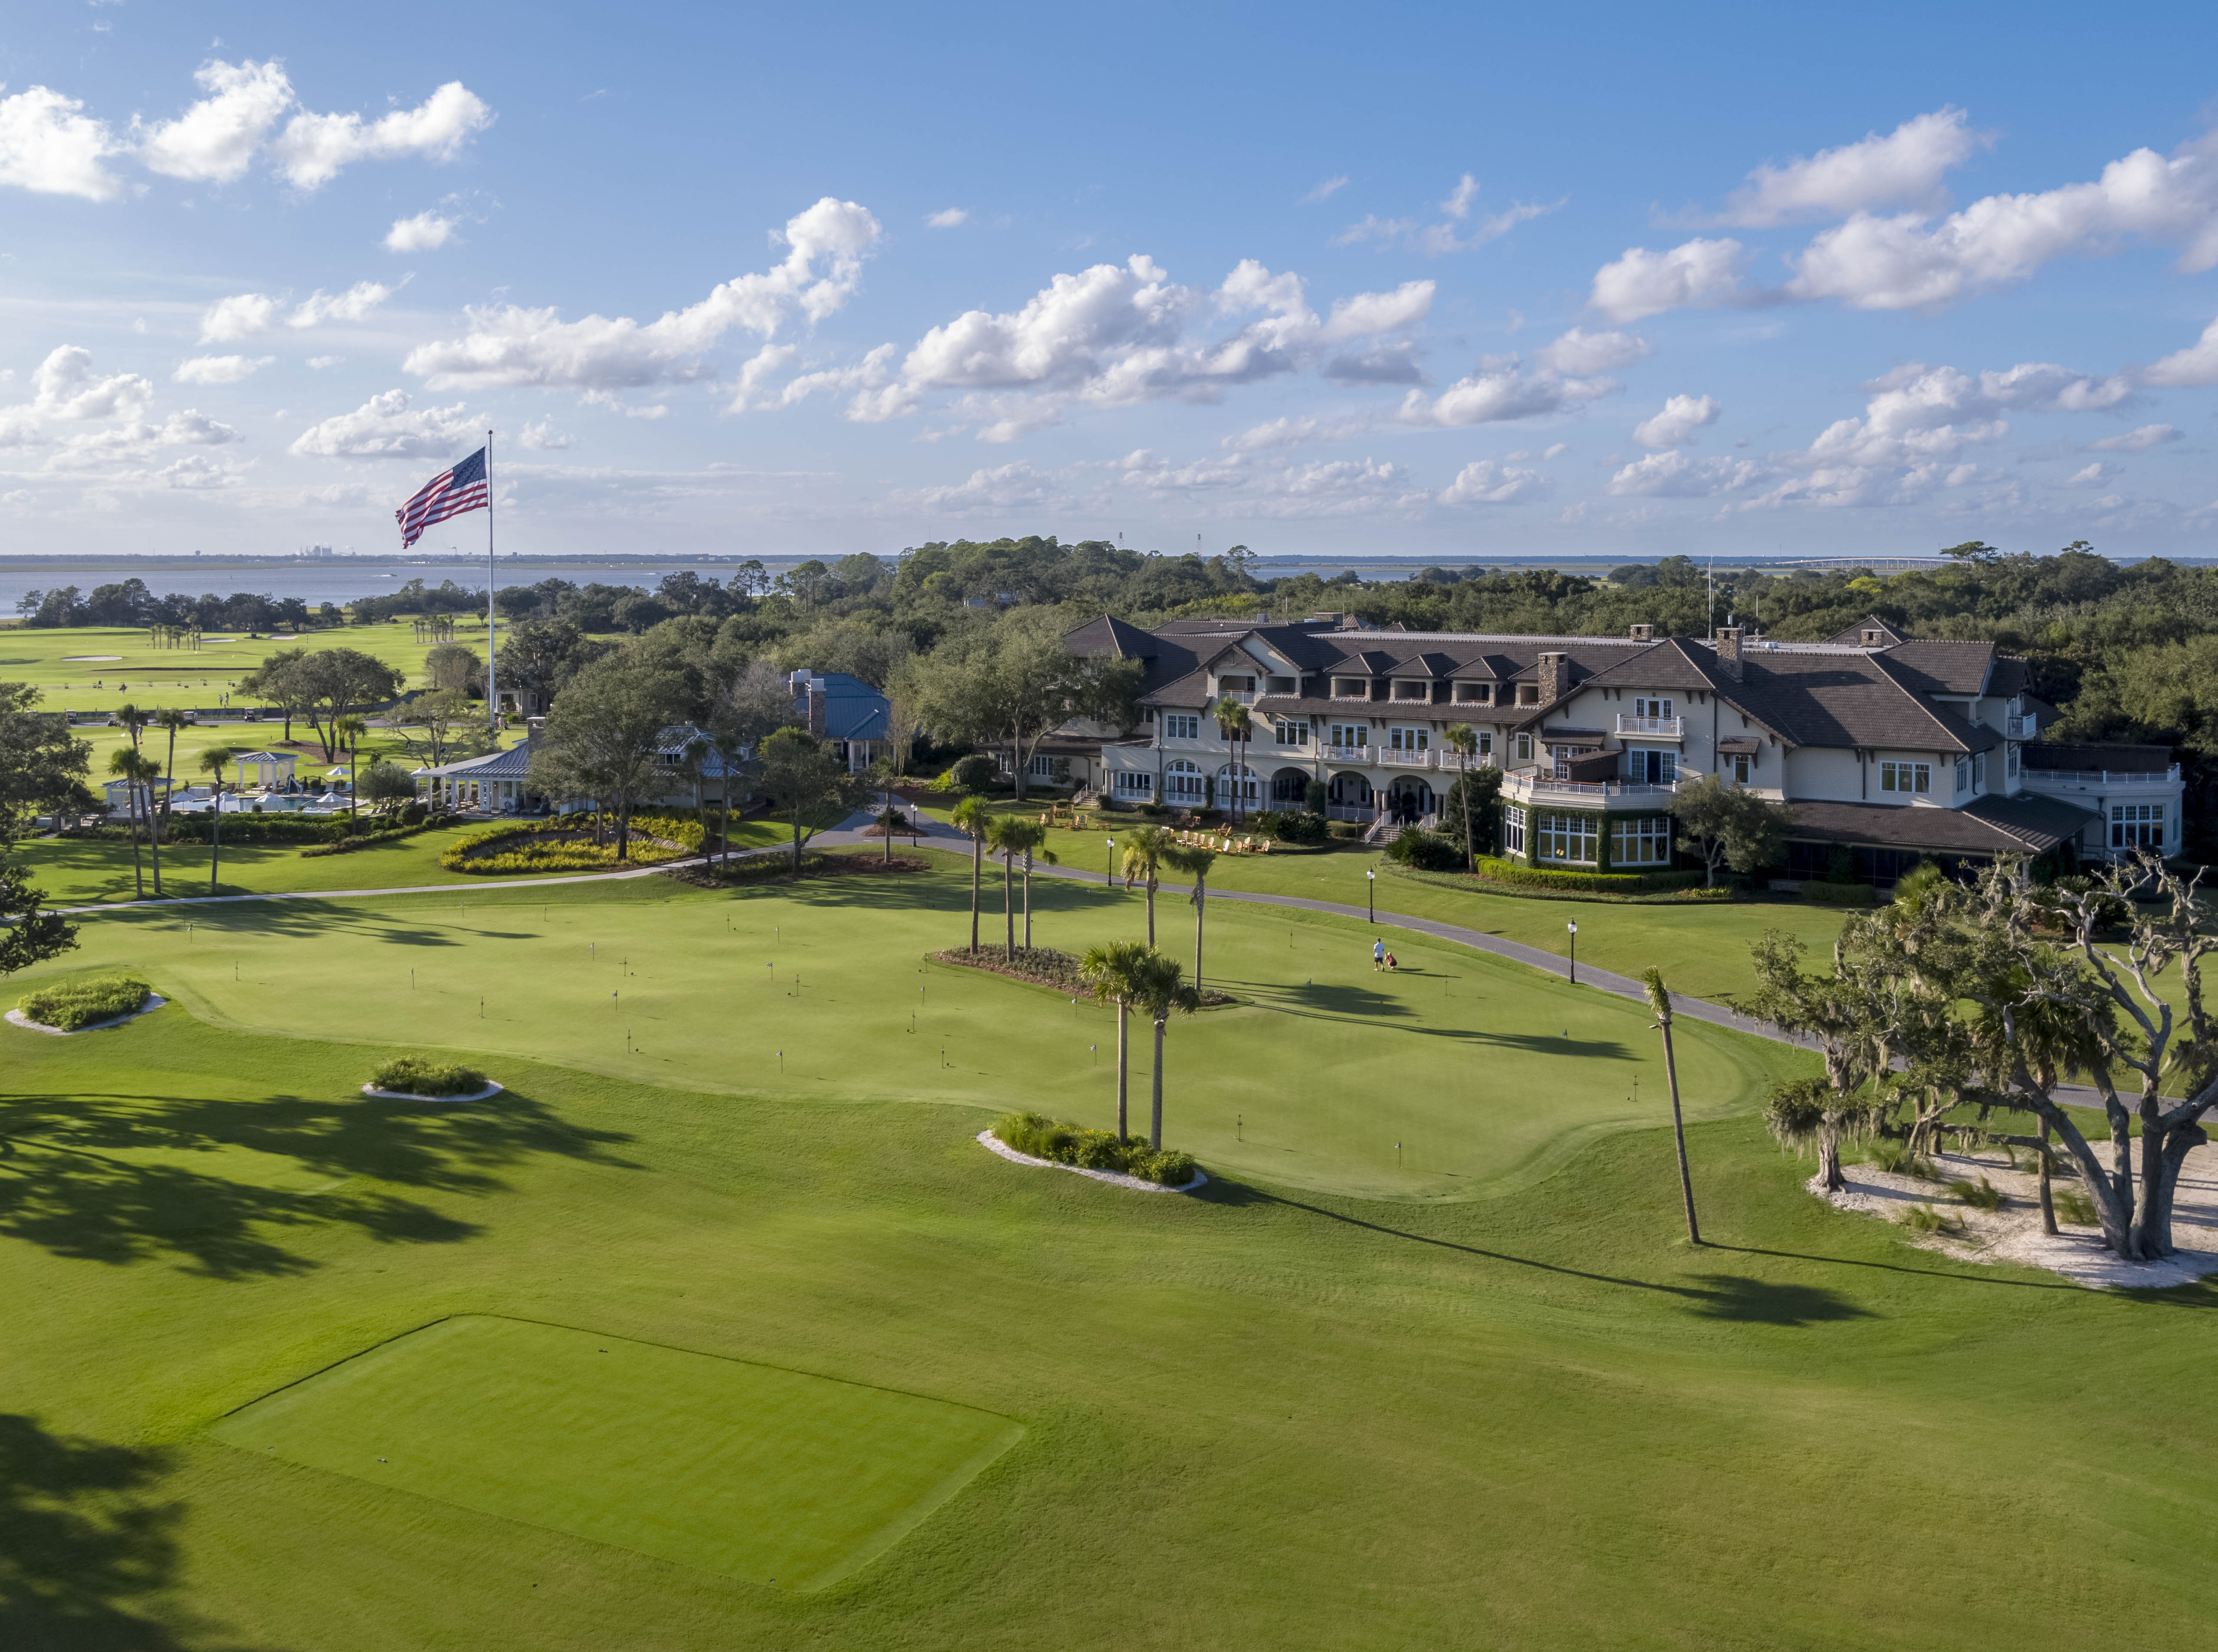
[{"x": 462, "y": 488}]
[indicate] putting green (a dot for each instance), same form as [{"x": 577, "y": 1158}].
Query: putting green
[
  {"x": 1461, "y": 1073},
  {"x": 770, "y": 1475}
]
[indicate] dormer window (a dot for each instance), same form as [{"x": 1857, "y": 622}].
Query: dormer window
[
  {"x": 1405, "y": 688},
  {"x": 1351, "y": 688},
  {"x": 1529, "y": 694},
  {"x": 1280, "y": 686},
  {"x": 1235, "y": 684},
  {"x": 1474, "y": 694}
]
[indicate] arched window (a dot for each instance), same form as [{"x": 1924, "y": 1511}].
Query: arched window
[
  {"x": 1239, "y": 775},
  {"x": 1181, "y": 782}
]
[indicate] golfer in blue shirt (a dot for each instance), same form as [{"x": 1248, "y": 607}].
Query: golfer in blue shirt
[{"x": 1377, "y": 955}]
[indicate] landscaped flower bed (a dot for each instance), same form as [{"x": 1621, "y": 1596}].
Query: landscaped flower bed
[
  {"x": 1073, "y": 1144},
  {"x": 419, "y": 1075},
  {"x": 80, "y": 1004},
  {"x": 565, "y": 845}
]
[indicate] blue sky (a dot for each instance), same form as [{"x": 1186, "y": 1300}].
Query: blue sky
[{"x": 1461, "y": 281}]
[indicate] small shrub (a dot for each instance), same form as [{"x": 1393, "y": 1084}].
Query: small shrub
[
  {"x": 79, "y": 1004},
  {"x": 1982, "y": 1195},
  {"x": 1429, "y": 851},
  {"x": 969, "y": 774},
  {"x": 1041, "y": 1137},
  {"x": 1345, "y": 830},
  {"x": 1925, "y": 1219},
  {"x": 419, "y": 1075},
  {"x": 2074, "y": 1207},
  {"x": 1304, "y": 826},
  {"x": 1540, "y": 877},
  {"x": 1897, "y": 1157}
]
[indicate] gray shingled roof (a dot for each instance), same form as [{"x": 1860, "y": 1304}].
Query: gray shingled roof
[{"x": 1987, "y": 825}]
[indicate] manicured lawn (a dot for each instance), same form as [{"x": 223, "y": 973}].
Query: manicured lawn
[
  {"x": 119, "y": 659},
  {"x": 1703, "y": 950},
  {"x": 775, "y": 1476},
  {"x": 1460, "y": 1074},
  {"x": 1275, "y": 1417},
  {"x": 74, "y": 871}
]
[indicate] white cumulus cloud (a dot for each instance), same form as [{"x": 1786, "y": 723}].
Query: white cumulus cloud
[
  {"x": 425, "y": 231},
  {"x": 1581, "y": 353},
  {"x": 1674, "y": 425},
  {"x": 219, "y": 369},
  {"x": 1004, "y": 487},
  {"x": 1673, "y": 475},
  {"x": 2196, "y": 365},
  {"x": 1500, "y": 390},
  {"x": 49, "y": 145},
  {"x": 241, "y": 315},
  {"x": 357, "y": 302},
  {"x": 510, "y": 345},
  {"x": 1903, "y": 169},
  {"x": 947, "y": 217},
  {"x": 1324, "y": 191},
  {"x": 215, "y": 139},
  {"x": 1693, "y": 275},
  {"x": 388, "y": 427},
  {"x": 1288, "y": 432},
  {"x": 2094, "y": 475},
  {"x": 313, "y": 148},
  {"x": 544, "y": 436},
  {"x": 1484, "y": 482}
]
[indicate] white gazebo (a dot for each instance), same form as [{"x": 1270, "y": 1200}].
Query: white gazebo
[{"x": 271, "y": 768}]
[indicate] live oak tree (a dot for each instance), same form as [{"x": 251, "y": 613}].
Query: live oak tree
[
  {"x": 603, "y": 740},
  {"x": 1014, "y": 683},
  {"x": 438, "y": 725},
  {"x": 1727, "y": 826},
  {"x": 456, "y": 668},
  {"x": 42, "y": 769},
  {"x": 283, "y": 681},
  {"x": 343, "y": 682},
  {"x": 808, "y": 783}
]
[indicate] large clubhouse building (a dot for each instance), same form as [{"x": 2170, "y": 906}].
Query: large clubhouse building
[{"x": 1896, "y": 750}]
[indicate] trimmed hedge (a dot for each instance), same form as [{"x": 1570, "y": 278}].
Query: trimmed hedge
[
  {"x": 79, "y": 1004},
  {"x": 1073, "y": 1144},
  {"x": 419, "y": 1075},
  {"x": 1503, "y": 871},
  {"x": 370, "y": 839}
]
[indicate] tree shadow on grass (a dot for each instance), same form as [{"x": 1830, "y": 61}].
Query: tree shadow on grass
[
  {"x": 72, "y": 1180},
  {"x": 1767, "y": 1302},
  {"x": 88, "y": 1549}
]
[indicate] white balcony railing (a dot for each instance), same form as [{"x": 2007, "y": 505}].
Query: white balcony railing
[
  {"x": 1243, "y": 697},
  {"x": 1346, "y": 753},
  {"x": 2106, "y": 779},
  {"x": 1394, "y": 760},
  {"x": 1666, "y": 728},
  {"x": 1530, "y": 788},
  {"x": 2021, "y": 728}
]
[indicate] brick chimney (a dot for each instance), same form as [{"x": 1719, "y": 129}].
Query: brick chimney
[
  {"x": 1554, "y": 672},
  {"x": 1644, "y": 633},
  {"x": 1728, "y": 641}
]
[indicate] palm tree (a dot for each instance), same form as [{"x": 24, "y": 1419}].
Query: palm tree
[
  {"x": 133, "y": 720},
  {"x": 1034, "y": 834},
  {"x": 1462, "y": 739},
  {"x": 350, "y": 729},
  {"x": 695, "y": 755},
  {"x": 1144, "y": 847},
  {"x": 1238, "y": 726},
  {"x": 212, "y": 764},
  {"x": 1159, "y": 993},
  {"x": 972, "y": 816},
  {"x": 1009, "y": 837},
  {"x": 134, "y": 766},
  {"x": 1195, "y": 861},
  {"x": 890, "y": 820},
  {"x": 1114, "y": 972},
  {"x": 172, "y": 720}
]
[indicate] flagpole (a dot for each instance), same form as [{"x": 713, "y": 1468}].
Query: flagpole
[{"x": 492, "y": 694}]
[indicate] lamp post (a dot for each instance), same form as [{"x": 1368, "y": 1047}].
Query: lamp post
[
  {"x": 1109, "y": 877},
  {"x": 1371, "y": 892},
  {"x": 1574, "y": 930}
]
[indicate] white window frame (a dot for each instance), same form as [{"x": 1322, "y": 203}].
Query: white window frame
[
  {"x": 1667, "y": 764},
  {"x": 2137, "y": 826},
  {"x": 1649, "y": 706},
  {"x": 1524, "y": 748},
  {"x": 1134, "y": 783},
  {"x": 1408, "y": 737},
  {"x": 1181, "y": 725},
  {"x": 1640, "y": 840},
  {"x": 1512, "y": 828},
  {"x": 1182, "y": 782},
  {"x": 2010, "y": 761},
  {"x": 1903, "y": 775},
  {"x": 1963, "y": 774},
  {"x": 1571, "y": 833},
  {"x": 1236, "y": 776},
  {"x": 1346, "y": 735},
  {"x": 1744, "y": 764},
  {"x": 1290, "y": 730}
]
